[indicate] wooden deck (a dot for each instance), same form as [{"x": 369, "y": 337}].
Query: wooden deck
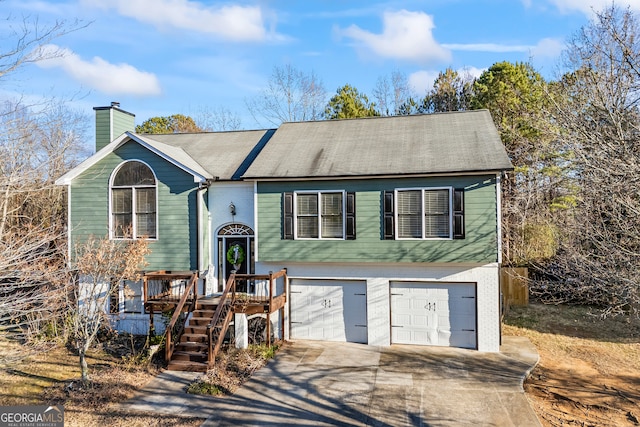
[
  {"x": 244, "y": 303},
  {"x": 192, "y": 342}
]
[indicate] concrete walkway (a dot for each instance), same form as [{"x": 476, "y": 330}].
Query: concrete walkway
[{"x": 316, "y": 383}]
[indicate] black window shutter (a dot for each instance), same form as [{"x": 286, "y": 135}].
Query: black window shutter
[
  {"x": 350, "y": 217},
  {"x": 389, "y": 228},
  {"x": 287, "y": 216},
  {"x": 458, "y": 214}
]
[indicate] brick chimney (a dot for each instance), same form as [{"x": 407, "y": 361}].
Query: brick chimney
[{"x": 111, "y": 122}]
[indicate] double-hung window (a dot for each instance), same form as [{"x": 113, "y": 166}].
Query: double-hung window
[
  {"x": 424, "y": 213},
  {"x": 319, "y": 215},
  {"x": 133, "y": 202}
]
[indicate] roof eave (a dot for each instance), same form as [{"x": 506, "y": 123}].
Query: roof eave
[
  {"x": 197, "y": 176},
  {"x": 380, "y": 176},
  {"x": 90, "y": 161},
  {"x": 67, "y": 178}
]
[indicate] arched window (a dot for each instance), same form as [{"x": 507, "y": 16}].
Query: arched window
[{"x": 133, "y": 202}]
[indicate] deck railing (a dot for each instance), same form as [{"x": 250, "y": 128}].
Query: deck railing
[
  {"x": 256, "y": 287},
  {"x": 245, "y": 293},
  {"x": 190, "y": 290},
  {"x": 165, "y": 286},
  {"x": 217, "y": 328}
]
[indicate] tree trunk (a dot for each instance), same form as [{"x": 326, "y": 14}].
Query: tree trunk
[{"x": 84, "y": 367}]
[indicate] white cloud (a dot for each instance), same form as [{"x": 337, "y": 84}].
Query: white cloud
[
  {"x": 487, "y": 47},
  {"x": 406, "y": 36},
  {"x": 231, "y": 22},
  {"x": 588, "y": 6},
  {"x": 111, "y": 79},
  {"x": 548, "y": 48},
  {"x": 422, "y": 81}
]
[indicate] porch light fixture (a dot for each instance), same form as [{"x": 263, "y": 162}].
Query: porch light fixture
[{"x": 232, "y": 209}]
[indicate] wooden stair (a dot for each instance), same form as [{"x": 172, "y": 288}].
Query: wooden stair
[{"x": 191, "y": 352}]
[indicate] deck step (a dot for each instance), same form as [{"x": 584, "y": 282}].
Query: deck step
[
  {"x": 199, "y": 321},
  {"x": 189, "y": 337},
  {"x": 186, "y": 365},
  {"x": 206, "y": 305},
  {"x": 203, "y": 314},
  {"x": 195, "y": 329},
  {"x": 191, "y": 356},
  {"x": 192, "y": 346}
]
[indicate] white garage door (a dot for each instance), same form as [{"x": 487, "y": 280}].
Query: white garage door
[
  {"x": 433, "y": 314},
  {"x": 328, "y": 310}
]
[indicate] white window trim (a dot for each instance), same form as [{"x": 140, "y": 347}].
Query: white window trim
[
  {"x": 134, "y": 222},
  {"x": 318, "y": 193},
  {"x": 422, "y": 190}
]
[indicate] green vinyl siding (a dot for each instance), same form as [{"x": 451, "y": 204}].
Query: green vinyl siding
[
  {"x": 478, "y": 246},
  {"x": 176, "y": 245},
  {"x": 122, "y": 122}
]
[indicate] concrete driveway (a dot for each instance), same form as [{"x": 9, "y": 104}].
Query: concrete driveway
[
  {"x": 326, "y": 384},
  {"x": 312, "y": 383}
]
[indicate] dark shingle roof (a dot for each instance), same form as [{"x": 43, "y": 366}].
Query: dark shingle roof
[
  {"x": 224, "y": 155},
  {"x": 417, "y": 144}
]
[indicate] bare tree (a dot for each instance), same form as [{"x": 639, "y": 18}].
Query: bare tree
[
  {"x": 26, "y": 39},
  {"x": 290, "y": 96},
  {"x": 217, "y": 119},
  {"x": 391, "y": 93},
  {"x": 37, "y": 144},
  {"x": 101, "y": 265},
  {"x": 598, "y": 105}
]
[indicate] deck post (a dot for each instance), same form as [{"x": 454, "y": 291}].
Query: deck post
[
  {"x": 271, "y": 289},
  {"x": 145, "y": 289},
  {"x": 242, "y": 330}
]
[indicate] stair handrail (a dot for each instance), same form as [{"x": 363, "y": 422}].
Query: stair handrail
[
  {"x": 230, "y": 288},
  {"x": 191, "y": 287}
]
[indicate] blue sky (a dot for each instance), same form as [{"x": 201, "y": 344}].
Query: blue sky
[{"x": 161, "y": 57}]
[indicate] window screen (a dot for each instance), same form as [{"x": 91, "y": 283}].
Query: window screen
[
  {"x": 133, "y": 202},
  {"x": 423, "y": 214}
]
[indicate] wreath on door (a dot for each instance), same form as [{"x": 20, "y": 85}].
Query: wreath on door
[{"x": 235, "y": 255}]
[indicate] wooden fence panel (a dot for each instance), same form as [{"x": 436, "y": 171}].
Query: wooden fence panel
[{"x": 514, "y": 286}]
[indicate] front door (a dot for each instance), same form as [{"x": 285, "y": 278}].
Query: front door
[{"x": 235, "y": 252}]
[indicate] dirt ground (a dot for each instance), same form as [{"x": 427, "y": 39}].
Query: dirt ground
[
  {"x": 589, "y": 370},
  {"x": 52, "y": 377},
  {"x": 119, "y": 368}
]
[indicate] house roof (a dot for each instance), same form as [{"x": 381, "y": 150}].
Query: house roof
[
  {"x": 224, "y": 155},
  {"x": 460, "y": 142},
  {"x": 206, "y": 156},
  {"x": 379, "y": 146}
]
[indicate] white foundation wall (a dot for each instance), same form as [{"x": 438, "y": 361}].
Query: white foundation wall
[
  {"x": 95, "y": 296},
  {"x": 221, "y": 195},
  {"x": 378, "y": 276}
]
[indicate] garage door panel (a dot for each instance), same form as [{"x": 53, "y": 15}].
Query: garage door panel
[
  {"x": 433, "y": 314},
  {"x": 328, "y": 310}
]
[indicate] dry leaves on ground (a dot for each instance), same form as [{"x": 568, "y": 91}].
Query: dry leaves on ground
[{"x": 589, "y": 370}]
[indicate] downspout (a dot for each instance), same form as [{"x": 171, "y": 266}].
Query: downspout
[
  {"x": 69, "y": 224},
  {"x": 255, "y": 222},
  {"x": 201, "y": 229},
  {"x": 499, "y": 214},
  {"x": 499, "y": 231}
]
